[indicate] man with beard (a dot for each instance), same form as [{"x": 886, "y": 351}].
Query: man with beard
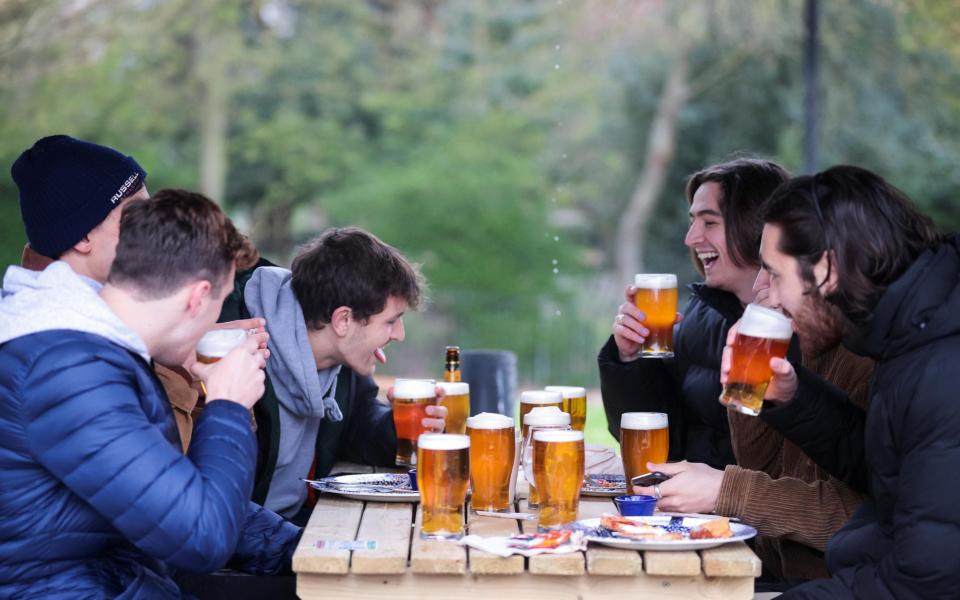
[{"x": 849, "y": 257}]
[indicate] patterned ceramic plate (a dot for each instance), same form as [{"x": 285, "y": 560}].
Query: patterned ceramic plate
[
  {"x": 376, "y": 487},
  {"x": 682, "y": 525},
  {"x": 603, "y": 484}
]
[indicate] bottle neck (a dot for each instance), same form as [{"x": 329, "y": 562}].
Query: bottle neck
[{"x": 452, "y": 372}]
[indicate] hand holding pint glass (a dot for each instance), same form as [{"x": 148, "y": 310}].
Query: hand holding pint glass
[
  {"x": 492, "y": 453},
  {"x": 644, "y": 437},
  {"x": 558, "y": 467},
  {"x": 230, "y": 365},
  {"x": 411, "y": 397},
  {"x": 644, "y": 326},
  {"x": 761, "y": 335},
  {"x": 443, "y": 471}
]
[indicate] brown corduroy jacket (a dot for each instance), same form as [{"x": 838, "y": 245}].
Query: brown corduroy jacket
[{"x": 794, "y": 504}]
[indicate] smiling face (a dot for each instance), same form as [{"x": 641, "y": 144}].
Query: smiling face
[
  {"x": 707, "y": 237},
  {"x": 818, "y": 323},
  {"x": 362, "y": 346}
]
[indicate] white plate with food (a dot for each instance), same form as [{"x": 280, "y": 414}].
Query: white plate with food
[
  {"x": 373, "y": 487},
  {"x": 664, "y": 532}
]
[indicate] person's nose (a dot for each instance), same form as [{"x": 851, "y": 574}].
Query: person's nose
[
  {"x": 694, "y": 235},
  {"x": 398, "y": 332}
]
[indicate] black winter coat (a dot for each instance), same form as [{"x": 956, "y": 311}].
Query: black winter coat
[
  {"x": 904, "y": 541},
  {"x": 686, "y": 387}
]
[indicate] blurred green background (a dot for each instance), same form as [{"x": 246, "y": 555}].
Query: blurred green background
[{"x": 498, "y": 143}]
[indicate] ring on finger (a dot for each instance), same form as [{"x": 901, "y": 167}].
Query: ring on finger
[
  {"x": 619, "y": 319},
  {"x": 656, "y": 491}
]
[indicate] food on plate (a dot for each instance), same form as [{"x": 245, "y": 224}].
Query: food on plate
[
  {"x": 628, "y": 528},
  {"x": 713, "y": 529}
]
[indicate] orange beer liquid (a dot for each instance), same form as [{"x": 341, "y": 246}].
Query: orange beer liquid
[
  {"x": 558, "y": 468},
  {"x": 660, "y": 307},
  {"x": 207, "y": 360},
  {"x": 640, "y": 446},
  {"x": 442, "y": 476},
  {"x": 491, "y": 462},
  {"x": 408, "y": 415},
  {"x": 750, "y": 371}
]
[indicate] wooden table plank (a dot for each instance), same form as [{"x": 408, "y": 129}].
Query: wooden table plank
[
  {"x": 484, "y": 563},
  {"x": 551, "y": 564},
  {"x": 389, "y": 524},
  {"x": 671, "y": 562},
  {"x": 594, "y": 587},
  {"x": 602, "y": 560},
  {"x": 435, "y": 556},
  {"x": 730, "y": 560},
  {"x": 333, "y": 518}
]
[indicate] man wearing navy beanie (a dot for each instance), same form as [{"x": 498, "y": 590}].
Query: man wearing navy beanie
[{"x": 69, "y": 189}]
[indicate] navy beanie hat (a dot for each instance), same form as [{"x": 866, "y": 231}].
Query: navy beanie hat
[{"x": 68, "y": 187}]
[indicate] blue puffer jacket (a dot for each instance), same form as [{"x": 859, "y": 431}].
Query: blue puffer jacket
[{"x": 96, "y": 499}]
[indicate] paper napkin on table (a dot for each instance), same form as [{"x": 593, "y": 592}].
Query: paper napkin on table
[{"x": 507, "y": 546}]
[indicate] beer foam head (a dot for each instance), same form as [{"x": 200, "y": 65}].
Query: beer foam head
[
  {"x": 546, "y": 416},
  {"x": 654, "y": 281},
  {"x": 540, "y": 397},
  {"x": 454, "y": 388},
  {"x": 414, "y": 388},
  {"x": 568, "y": 391},
  {"x": 487, "y": 420},
  {"x": 643, "y": 421},
  {"x": 443, "y": 441},
  {"x": 558, "y": 435},
  {"x": 219, "y": 342},
  {"x": 762, "y": 322}
]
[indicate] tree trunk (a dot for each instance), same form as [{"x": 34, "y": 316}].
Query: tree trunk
[
  {"x": 811, "y": 84},
  {"x": 632, "y": 231},
  {"x": 211, "y": 75}
]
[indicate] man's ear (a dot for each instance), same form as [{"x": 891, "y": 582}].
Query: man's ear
[
  {"x": 341, "y": 319},
  {"x": 83, "y": 246},
  {"x": 825, "y": 273},
  {"x": 198, "y": 293}
]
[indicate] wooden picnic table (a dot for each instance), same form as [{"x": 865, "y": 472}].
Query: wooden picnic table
[{"x": 404, "y": 566}]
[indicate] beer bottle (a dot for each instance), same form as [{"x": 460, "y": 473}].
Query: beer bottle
[{"x": 452, "y": 370}]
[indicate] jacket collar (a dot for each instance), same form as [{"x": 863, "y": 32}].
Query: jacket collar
[{"x": 725, "y": 303}]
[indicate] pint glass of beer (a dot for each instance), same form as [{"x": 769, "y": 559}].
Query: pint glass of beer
[
  {"x": 492, "y": 450},
  {"x": 215, "y": 344},
  {"x": 411, "y": 397},
  {"x": 532, "y": 399},
  {"x": 558, "y": 464},
  {"x": 538, "y": 419},
  {"x": 456, "y": 397},
  {"x": 574, "y": 403},
  {"x": 656, "y": 296},
  {"x": 443, "y": 471},
  {"x": 644, "y": 437},
  {"x": 763, "y": 333}
]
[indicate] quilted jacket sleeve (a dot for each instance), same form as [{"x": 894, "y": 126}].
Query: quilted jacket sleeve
[
  {"x": 85, "y": 423},
  {"x": 266, "y": 543}
]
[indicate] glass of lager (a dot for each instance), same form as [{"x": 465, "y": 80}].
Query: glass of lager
[
  {"x": 443, "y": 472},
  {"x": 558, "y": 471},
  {"x": 492, "y": 451},
  {"x": 532, "y": 399},
  {"x": 539, "y": 419},
  {"x": 411, "y": 397},
  {"x": 644, "y": 437},
  {"x": 574, "y": 403},
  {"x": 217, "y": 343},
  {"x": 763, "y": 333},
  {"x": 656, "y": 296},
  {"x": 456, "y": 397}
]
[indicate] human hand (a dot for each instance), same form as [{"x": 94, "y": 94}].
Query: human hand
[
  {"x": 783, "y": 384},
  {"x": 238, "y": 376},
  {"x": 251, "y": 326},
  {"x": 629, "y": 333},
  {"x": 693, "y": 487}
]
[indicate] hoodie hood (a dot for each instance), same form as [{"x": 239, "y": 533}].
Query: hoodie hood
[
  {"x": 58, "y": 298},
  {"x": 918, "y": 308},
  {"x": 300, "y": 387}
]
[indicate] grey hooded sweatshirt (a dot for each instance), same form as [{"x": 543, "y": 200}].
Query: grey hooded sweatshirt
[{"x": 305, "y": 394}]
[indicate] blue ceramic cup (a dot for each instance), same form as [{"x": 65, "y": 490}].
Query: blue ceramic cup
[
  {"x": 412, "y": 474},
  {"x": 635, "y": 506}
]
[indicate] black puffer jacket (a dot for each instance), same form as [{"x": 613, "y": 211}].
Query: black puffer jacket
[
  {"x": 904, "y": 541},
  {"x": 686, "y": 387}
]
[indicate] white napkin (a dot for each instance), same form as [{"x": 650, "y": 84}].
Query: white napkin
[{"x": 500, "y": 545}]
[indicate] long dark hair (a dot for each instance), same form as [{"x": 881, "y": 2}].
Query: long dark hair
[
  {"x": 745, "y": 184},
  {"x": 870, "y": 227}
]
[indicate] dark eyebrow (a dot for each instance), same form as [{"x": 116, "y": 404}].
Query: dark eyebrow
[
  {"x": 766, "y": 267},
  {"x": 705, "y": 213}
]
